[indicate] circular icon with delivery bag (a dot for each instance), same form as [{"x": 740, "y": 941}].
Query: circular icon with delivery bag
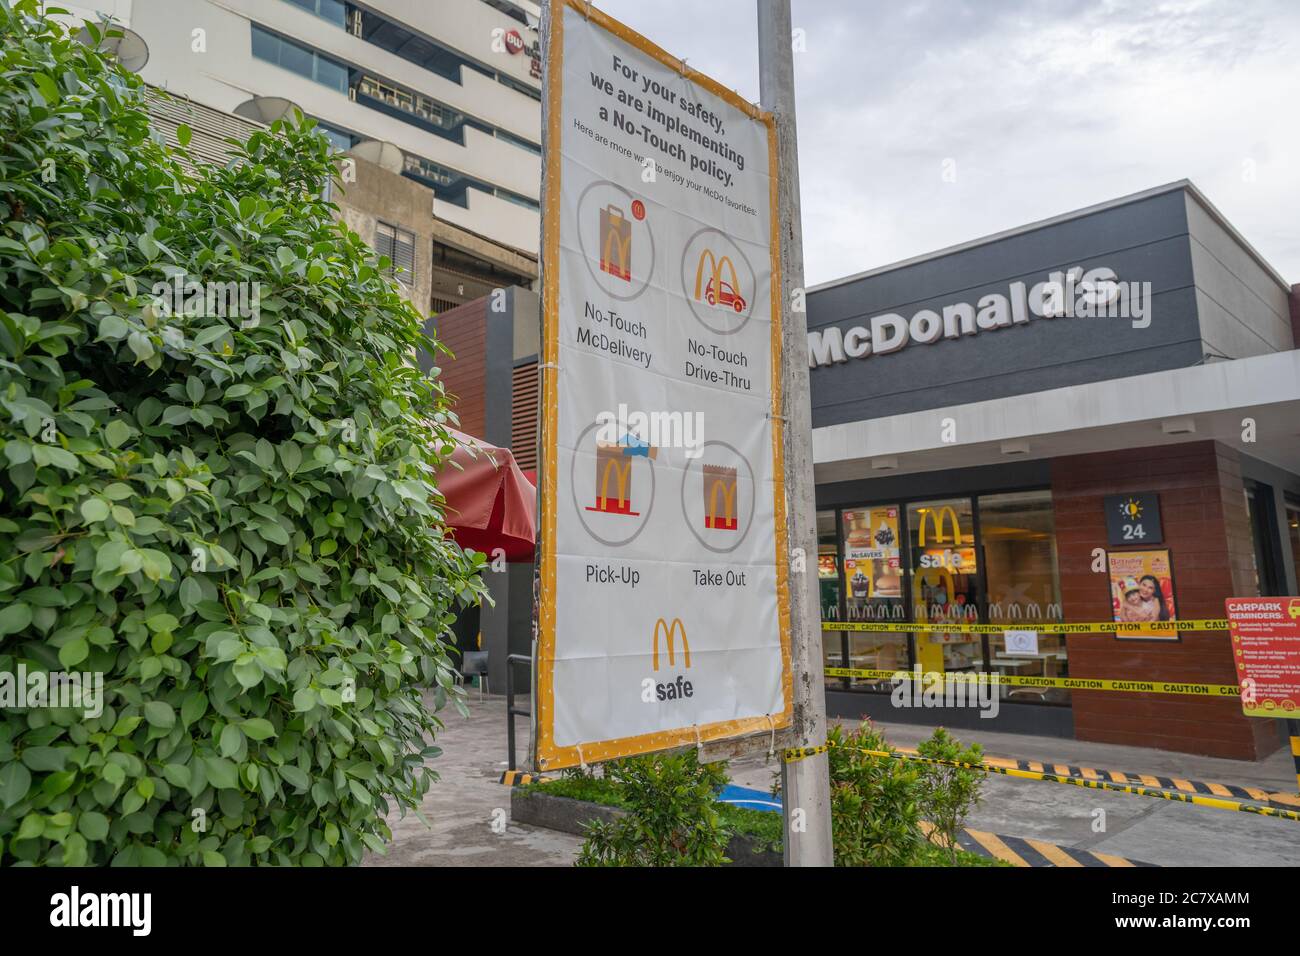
[{"x": 617, "y": 244}]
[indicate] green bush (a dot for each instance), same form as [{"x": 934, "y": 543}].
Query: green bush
[
  {"x": 874, "y": 801},
  {"x": 949, "y": 794},
  {"x": 672, "y": 817},
  {"x": 233, "y": 521}
]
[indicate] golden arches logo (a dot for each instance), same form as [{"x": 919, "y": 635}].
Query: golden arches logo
[
  {"x": 728, "y": 492},
  {"x": 622, "y": 476},
  {"x": 616, "y": 243},
  {"x": 668, "y": 631},
  {"x": 936, "y": 518},
  {"x": 715, "y": 275}
]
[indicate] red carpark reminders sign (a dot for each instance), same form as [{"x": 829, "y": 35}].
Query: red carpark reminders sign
[{"x": 1266, "y": 649}]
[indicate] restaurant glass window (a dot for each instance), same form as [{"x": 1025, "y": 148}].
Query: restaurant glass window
[
  {"x": 873, "y": 582},
  {"x": 944, "y": 582},
  {"x": 1269, "y": 576},
  {"x": 1293, "y": 539},
  {"x": 1018, "y": 552},
  {"x": 828, "y": 588}
]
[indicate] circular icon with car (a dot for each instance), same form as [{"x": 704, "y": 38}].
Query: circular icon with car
[{"x": 718, "y": 281}]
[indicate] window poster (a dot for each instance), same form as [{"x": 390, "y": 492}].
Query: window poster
[{"x": 1142, "y": 591}]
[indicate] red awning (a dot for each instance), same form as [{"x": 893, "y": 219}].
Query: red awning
[{"x": 490, "y": 504}]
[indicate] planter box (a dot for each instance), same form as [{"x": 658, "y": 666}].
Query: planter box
[{"x": 569, "y": 816}]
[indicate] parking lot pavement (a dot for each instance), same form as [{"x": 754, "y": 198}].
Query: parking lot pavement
[{"x": 1135, "y": 827}]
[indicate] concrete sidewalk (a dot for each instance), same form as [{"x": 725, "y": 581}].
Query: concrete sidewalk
[{"x": 470, "y": 810}]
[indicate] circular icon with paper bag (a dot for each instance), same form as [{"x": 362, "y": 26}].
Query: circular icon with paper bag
[
  {"x": 718, "y": 496},
  {"x": 613, "y": 484},
  {"x": 617, "y": 245}
]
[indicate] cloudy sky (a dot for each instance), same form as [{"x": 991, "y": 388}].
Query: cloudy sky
[{"x": 1038, "y": 106}]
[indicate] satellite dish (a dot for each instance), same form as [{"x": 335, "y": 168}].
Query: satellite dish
[
  {"x": 266, "y": 109},
  {"x": 129, "y": 49},
  {"x": 383, "y": 154}
]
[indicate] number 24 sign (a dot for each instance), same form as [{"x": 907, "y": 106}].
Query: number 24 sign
[{"x": 1133, "y": 518}]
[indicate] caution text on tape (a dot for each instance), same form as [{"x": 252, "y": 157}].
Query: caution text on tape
[
  {"x": 1041, "y": 627},
  {"x": 1068, "y": 683}
]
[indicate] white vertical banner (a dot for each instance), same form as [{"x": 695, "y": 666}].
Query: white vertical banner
[{"x": 663, "y": 612}]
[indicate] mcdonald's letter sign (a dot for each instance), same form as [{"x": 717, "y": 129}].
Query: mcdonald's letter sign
[{"x": 663, "y": 568}]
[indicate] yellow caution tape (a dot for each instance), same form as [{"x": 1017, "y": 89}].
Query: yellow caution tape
[
  {"x": 1069, "y": 683},
  {"x": 1217, "y": 803},
  {"x": 1039, "y": 627}
]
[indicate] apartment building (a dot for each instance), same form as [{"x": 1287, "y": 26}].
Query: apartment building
[{"x": 446, "y": 93}]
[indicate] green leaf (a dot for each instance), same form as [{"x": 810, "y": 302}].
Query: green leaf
[
  {"x": 112, "y": 327},
  {"x": 56, "y": 783},
  {"x": 222, "y": 774},
  {"x": 295, "y": 777},
  {"x": 258, "y": 728},
  {"x": 183, "y": 134},
  {"x": 140, "y": 344},
  {"x": 249, "y": 674},
  {"x": 14, "y": 618},
  {"x": 290, "y": 456},
  {"x": 273, "y": 532},
  {"x": 162, "y": 622},
  {"x": 191, "y": 593},
  {"x": 49, "y": 89},
  {"x": 116, "y": 432},
  {"x": 74, "y": 652},
  {"x": 94, "y": 510},
  {"x": 160, "y": 714},
  {"x": 231, "y": 740},
  {"x": 92, "y": 825},
  {"x": 194, "y": 707},
  {"x": 45, "y": 759},
  {"x": 126, "y": 726},
  {"x": 33, "y": 825},
  {"x": 15, "y": 781}
]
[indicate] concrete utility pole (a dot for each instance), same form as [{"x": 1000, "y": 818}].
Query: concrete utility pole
[{"x": 806, "y": 782}]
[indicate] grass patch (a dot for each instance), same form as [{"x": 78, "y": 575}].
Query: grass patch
[
  {"x": 930, "y": 855},
  {"x": 590, "y": 789}
]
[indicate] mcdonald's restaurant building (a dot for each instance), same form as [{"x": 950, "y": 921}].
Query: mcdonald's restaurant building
[{"x": 1089, "y": 419}]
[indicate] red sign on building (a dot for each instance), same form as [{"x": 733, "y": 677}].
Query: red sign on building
[{"x": 1266, "y": 649}]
